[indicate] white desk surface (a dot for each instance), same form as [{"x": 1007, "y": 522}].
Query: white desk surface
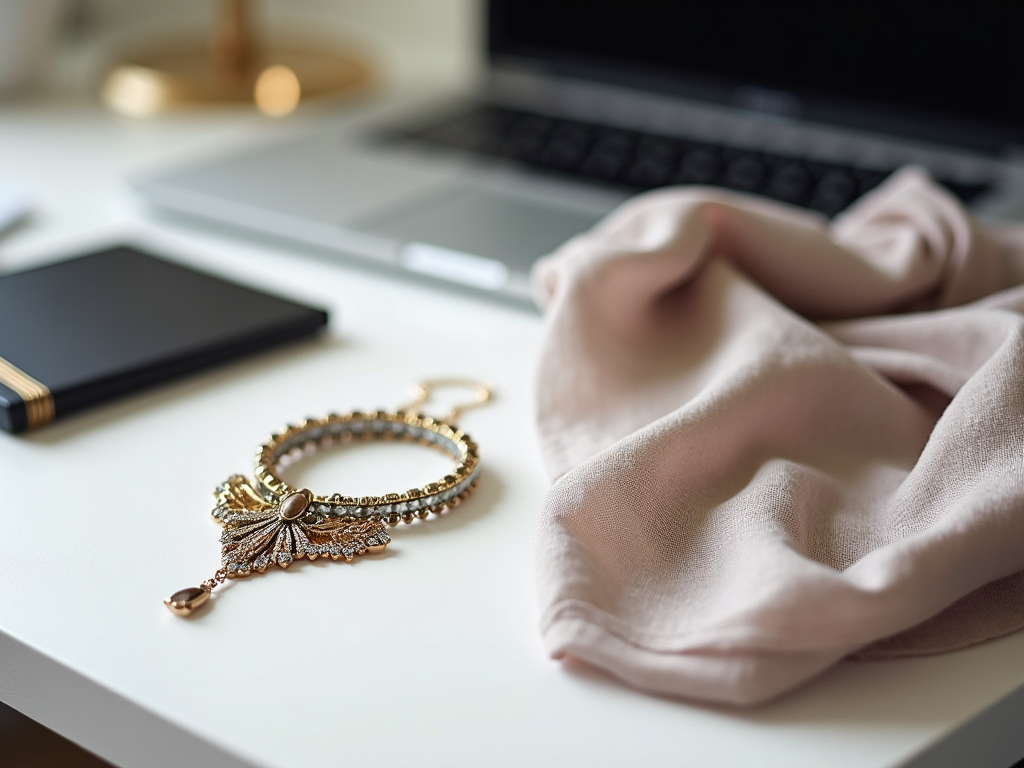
[{"x": 426, "y": 656}]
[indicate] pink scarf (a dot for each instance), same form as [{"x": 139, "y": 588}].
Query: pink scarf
[{"x": 777, "y": 442}]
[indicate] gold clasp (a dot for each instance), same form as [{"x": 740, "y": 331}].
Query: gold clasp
[{"x": 483, "y": 392}]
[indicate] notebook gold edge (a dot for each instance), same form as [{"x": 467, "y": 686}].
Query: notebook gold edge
[{"x": 39, "y": 406}]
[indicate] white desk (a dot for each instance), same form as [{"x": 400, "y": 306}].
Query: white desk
[{"x": 428, "y": 656}]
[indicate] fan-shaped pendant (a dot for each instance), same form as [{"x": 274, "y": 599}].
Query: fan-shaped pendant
[{"x": 260, "y": 533}]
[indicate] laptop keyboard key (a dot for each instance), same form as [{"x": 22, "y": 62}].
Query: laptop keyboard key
[
  {"x": 527, "y": 137},
  {"x": 653, "y": 150},
  {"x": 605, "y": 166},
  {"x": 835, "y": 191},
  {"x": 648, "y": 175},
  {"x": 609, "y": 156},
  {"x": 699, "y": 166},
  {"x": 791, "y": 183},
  {"x": 566, "y": 147},
  {"x": 746, "y": 173},
  {"x": 615, "y": 142},
  {"x": 653, "y": 162}
]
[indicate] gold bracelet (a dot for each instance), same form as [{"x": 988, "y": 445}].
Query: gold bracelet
[{"x": 269, "y": 523}]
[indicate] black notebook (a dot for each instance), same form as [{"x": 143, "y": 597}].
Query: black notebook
[{"x": 91, "y": 329}]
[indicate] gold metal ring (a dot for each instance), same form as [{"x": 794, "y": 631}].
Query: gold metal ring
[{"x": 390, "y": 508}]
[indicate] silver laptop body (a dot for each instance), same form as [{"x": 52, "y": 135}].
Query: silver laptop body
[{"x": 426, "y": 190}]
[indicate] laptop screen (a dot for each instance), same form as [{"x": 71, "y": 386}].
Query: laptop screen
[{"x": 944, "y": 71}]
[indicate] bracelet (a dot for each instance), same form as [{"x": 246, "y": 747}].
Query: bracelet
[
  {"x": 269, "y": 522},
  {"x": 377, "y": 425}
]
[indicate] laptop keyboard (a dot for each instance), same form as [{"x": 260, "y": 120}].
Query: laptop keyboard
[{"x": 640, "y": 161}]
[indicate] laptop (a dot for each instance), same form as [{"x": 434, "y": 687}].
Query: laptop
[{"x": 587, "y": 103}]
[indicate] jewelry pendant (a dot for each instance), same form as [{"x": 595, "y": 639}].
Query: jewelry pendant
[{"x": 268, "y": 523}]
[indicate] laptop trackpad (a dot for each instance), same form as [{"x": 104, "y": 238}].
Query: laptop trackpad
[{"x": 470, "y": 220}]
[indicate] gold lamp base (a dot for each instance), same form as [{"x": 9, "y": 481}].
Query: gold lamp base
[
  {"x": 276, "y": 84},
  {"x": 234, "y": 68}
]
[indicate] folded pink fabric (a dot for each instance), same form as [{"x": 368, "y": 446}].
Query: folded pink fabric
[{"x": 778, "y": 442}]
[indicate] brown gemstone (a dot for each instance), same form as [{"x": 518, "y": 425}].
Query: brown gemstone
[
  {"x": 294, "y": 504},
  {"x": 185, "y": 595},
  {"x": 184, "y": 601}
]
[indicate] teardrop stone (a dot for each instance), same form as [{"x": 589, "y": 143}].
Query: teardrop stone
[
  {"x": 184, "y": 601},
  {"x": 184, "y": 595},
  {"x": 294, "y": 504}
]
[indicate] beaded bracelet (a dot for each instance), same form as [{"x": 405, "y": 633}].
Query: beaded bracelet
[{"x": 269, "y": 523}]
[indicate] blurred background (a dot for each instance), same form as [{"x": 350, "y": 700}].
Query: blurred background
[{"x": 410, "y": 42}]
